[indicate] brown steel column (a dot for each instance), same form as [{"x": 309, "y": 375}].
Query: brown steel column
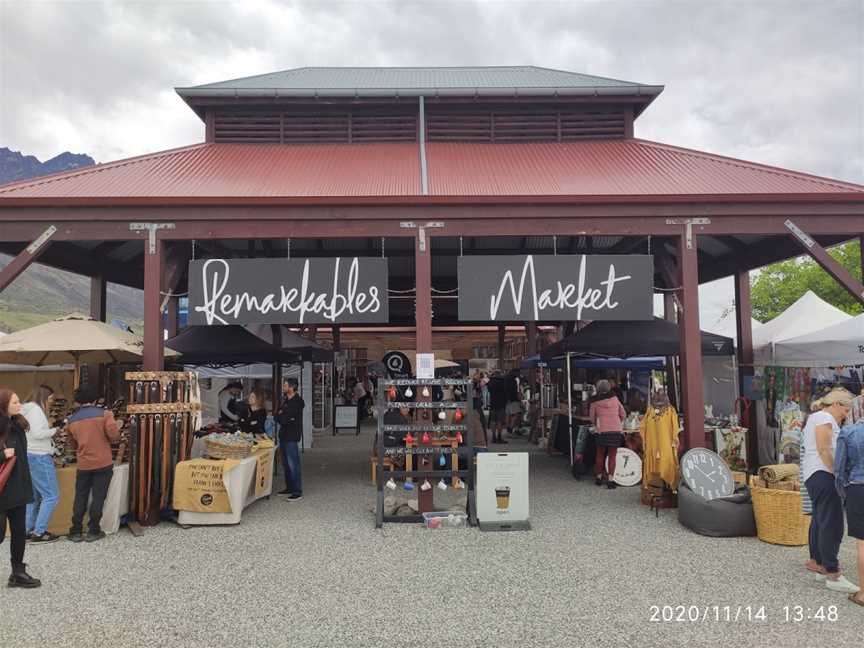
[
  {"x": 172, "y": 316},
  {"x": 531, "y": 334},
  {"x": 691, "y": 345},
  {"x": 744, "y": 312},
  {"x": 99, "y": 299},
  {"x": 670, "y": 315},
  {"x": 337, "y": 337},
  {"x": 861, "y": 246},
  {"x": 153, "y": 342},
  {"x": 502, "y": 329},
  {"x": 423, "y": 298}
]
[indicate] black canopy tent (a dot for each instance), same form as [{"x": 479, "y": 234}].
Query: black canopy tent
[
  {"x": 226, "y": 345},
  {"x": 282, "y": 337},
  {"x": 625, "y": 339}
]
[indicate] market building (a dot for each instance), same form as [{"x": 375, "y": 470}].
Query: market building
[{"x": 430, "y": 169}]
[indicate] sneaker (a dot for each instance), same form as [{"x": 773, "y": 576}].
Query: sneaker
[
  {"x": 293, "y": 497},
  {"x": 841, "y": 584},
  {"x": 94, "y": 537},
  {"x": 286, "y": 491},
  {"x": 43, "y": 538},
  {"x": 598, "y": 481},
  {"x": 75, "y": 537},
  {"x": 611, "y": 485}
]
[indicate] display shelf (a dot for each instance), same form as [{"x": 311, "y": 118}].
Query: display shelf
[
  {"x": 425, "y": 452},
  {"x": 419, "y": 427},
  {"x": 419, "y": 450},
  {"x": 431, "y": 382},
  {"x": 426, "y": 405}
]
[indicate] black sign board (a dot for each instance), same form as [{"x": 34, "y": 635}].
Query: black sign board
[
  {"x": 527, "y": 288},
  {"x": 288, "y": 291}
]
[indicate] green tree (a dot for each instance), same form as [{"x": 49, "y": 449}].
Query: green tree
[{"x": 779, "y": 285}]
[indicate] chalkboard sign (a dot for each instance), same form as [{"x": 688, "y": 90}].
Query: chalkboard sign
[{"x": 346, "y": 418}]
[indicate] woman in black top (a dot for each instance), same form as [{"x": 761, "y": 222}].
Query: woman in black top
[
  {"x": 18, "y": 492},
  {"x": 254, "y": 422}
]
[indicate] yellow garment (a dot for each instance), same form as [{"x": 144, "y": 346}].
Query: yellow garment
[{"x": 659, "y": 439}]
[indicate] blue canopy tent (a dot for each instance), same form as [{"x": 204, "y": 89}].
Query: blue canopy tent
[{"x": 596, "y": 363}]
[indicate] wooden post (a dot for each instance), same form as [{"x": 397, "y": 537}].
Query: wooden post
[
  {"x": 531, "y": 334},
  {"x": 172, "y": 316},
  {"x": 153, "y": 342},
  {"x": 670, "y": 315},
  {"x": 98, "y": 299},
  {"x": 423, "y": 300},
  {"x": 744, "y": 326},
  {"x": 691, "y": 344}
]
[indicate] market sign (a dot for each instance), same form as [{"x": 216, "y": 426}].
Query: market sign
[
  {"x": 528, "y": 288},
  {"x": 288, "y": 291}
]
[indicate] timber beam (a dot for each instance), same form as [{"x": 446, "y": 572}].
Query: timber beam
[
  {"x": 26, "y": 257},
  {"x": 820, "y": 255}
]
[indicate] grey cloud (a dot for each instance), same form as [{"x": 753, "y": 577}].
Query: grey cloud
[{"x": 776, "y": 82}]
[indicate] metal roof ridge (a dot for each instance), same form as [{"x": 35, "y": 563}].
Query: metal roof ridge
[
  {"x": 94, "y": 168},
  {"x": 726, "y": 159}
]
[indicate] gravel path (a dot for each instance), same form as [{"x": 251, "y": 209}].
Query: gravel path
[{"x": 317, "y": 573}]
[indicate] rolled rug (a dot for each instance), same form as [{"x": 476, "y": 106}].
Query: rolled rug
[{"x": 780, "y": 472}]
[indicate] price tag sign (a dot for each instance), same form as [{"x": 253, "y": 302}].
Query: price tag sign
[{"x": 425, "y": 365}]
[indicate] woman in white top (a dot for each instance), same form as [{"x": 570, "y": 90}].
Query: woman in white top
[
  {"x": 40, "y": 456},
  {"x": 818, "y": 442}
]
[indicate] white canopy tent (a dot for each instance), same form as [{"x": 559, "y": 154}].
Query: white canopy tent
[
  {"x": 837, "y": 345},
  {"x": 807, "y": 315}
]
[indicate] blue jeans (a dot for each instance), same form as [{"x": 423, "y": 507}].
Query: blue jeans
[
  {"x": 291, "y": 464},
  {"x": 46, "y": 493}
]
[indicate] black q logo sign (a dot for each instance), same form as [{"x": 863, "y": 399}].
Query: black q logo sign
[{"x": 397, "y": 364}]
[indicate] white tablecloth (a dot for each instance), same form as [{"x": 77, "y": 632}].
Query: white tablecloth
[
  {"x": 240, "y": 484},
  {"x": 116, "y": 502}
]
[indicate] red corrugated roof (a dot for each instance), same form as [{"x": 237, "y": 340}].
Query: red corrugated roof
[
  {"x": 630, "y": 167},
  {"x": 239, "y": 171},
  {"x": 386, "y": 172}
]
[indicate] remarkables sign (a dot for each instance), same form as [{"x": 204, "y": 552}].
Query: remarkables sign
[
  {"x": 288, "y": 291},
  {"x": 555, "y": 288}
]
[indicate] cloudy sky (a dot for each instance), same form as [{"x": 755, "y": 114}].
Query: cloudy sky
[{"x": 778, "y": 82}]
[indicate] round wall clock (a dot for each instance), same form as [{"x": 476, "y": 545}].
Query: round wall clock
[
  {"x": 707, "y": 474},
  {"x": 628, "y": 468}
]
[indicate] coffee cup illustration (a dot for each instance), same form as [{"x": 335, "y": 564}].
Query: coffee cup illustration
[{"x": 502, "y": 496}]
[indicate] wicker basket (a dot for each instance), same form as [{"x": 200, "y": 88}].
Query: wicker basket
[
  {"x": 218, "y": 450},
  {"x": 779, "y": 519}
]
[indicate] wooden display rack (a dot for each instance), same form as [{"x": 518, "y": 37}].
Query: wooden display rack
[
  {"x": 448, "y": 445},
  {"x": 164, "y": 413}
]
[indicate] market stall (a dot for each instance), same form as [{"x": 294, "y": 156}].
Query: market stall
[
  {"x": 72, "y": 341},
  {"x": 229, "y": 474},
  {"x": 802, "y": 367},
  {"x": 625, "y": 342}
]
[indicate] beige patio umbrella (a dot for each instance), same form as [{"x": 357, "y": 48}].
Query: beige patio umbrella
[{"x": 74, "y": 338}]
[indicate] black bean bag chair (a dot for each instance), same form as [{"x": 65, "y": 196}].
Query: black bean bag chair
[{"x": 727, "y": 517}]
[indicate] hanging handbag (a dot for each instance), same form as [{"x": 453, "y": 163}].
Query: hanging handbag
[{"x": 6, "y": 470}]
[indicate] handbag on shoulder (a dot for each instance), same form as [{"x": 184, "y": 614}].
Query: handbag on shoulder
[{"x": 6, "y": 470}]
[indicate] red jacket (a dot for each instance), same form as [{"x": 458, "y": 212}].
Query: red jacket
[
  {"x": 91, "y": 431},
  {"x": 607, "y": 414}
]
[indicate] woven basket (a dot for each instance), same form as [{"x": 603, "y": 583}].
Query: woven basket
[
  {"x": 217, "y": 450},
  {"x": 778, "y": 516}
]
